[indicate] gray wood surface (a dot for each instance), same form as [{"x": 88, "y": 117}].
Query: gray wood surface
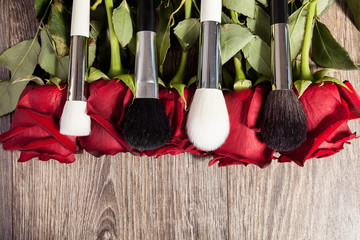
[{"x": 126, "y": 197}]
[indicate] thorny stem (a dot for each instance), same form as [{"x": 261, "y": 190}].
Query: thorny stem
[
  {"x": 116, "y": 67},
  {"x": 239, "y": 73},
  {"x": 305, "y": 66}
]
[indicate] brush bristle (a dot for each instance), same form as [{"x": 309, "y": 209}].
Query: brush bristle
[
  {"x": 284, "y": 121},
  {"x": 146, "y": 125},
  {"x": 208, "y": 120},
  {"x": 74, "y": 121}
]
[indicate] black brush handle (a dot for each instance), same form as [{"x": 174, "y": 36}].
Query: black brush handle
[
  {"x": 279, "y": 12},
  {"x": 146, "y": 15}
]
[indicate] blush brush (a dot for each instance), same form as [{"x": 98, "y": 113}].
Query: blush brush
[
  {"x": 146, "y": 125},
  {"x": 74, "y": 121},
  {"x": 208, "y": 120},
  {"x": 284, "y": 122}
]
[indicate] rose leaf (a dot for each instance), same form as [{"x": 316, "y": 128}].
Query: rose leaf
[
  {"x": 187, "y": 32},
  {"x": 123, "y": 24}
]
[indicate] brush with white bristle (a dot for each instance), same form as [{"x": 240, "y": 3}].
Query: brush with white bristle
[
  {"x": 146, "y": 125},
  {"x": 208, "y": 120},
  {"x": 284, "y": 122},
  {"x": 74, "y": 121}
]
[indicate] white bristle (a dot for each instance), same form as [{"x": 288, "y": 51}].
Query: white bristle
[
  {"x": 74, "y": 121},
  {"x": 208, "y": 121}
]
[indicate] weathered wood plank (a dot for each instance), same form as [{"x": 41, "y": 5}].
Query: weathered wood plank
[
  {"x": 319, "y": 201},
  {"x": 5, "y": 157},
  {"x": 121, "y": 197}
]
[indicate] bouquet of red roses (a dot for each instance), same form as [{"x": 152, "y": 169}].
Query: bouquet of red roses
[{"x": 246, "y": 82}]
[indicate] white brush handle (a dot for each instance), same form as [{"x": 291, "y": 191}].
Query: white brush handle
[
  {"x": 80, "y": 19},
  {"x": 211, "y": 10}
]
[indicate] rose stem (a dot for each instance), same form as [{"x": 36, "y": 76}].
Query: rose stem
[
  {"x": 305, "y": 66},
  {"x": 179, "y": 76},
  {"x": 116, "y": 67},
  {"x": 239, "y": 73}
]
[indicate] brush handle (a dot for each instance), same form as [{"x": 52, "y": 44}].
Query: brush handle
[
  {"x": 77, "y": 66},
  {"x": 146, "y": 62},
  {"x": 279, "y": 11},
  {"x": 280, "y": 45},
  {"x": 209, "y": 70},
  {"x": 210, "y": 10},
  {"x": 146, "y": 15},
  {"x": 80, "y": 18}
]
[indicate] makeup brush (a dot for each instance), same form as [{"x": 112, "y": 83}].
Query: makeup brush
[
  {"x": 284, "y": 121},
  {"x": 74, "y": 121},
  {"x": 208, "y": 120},
  {"x": 146, "y": 125}
]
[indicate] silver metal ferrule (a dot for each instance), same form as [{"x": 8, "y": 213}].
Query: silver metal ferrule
[
  {"x": 209, "y": 71},
  {"x": 77, "y": 66},
  {"x": 146, "y": 66},
  {"x": 280, "y": 56}
]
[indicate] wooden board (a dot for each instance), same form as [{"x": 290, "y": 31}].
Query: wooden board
[{"x": 127, "y": 197}]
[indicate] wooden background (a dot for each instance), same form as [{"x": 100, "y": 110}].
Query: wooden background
[{"x": 126, "y": 197}]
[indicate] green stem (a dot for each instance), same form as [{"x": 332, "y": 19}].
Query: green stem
[
  {"x": 116, "y": 67},
  {"x": 239, "y": 73},
  {"x": 305, "y": 66},
  {"x": 180, "y": 74},
  {"x": 234, "y": 16}
]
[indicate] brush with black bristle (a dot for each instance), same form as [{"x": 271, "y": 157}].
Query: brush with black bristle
[
  {"x": 74, "y": 121},
  {"x": 146, "y": 125},
  {"x": 208, "y": 121},
  {"x": 284, "y": 122}
]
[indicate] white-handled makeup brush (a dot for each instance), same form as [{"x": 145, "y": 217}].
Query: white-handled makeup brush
[
  {"x": 284, "y": 122},
  {"x": 74, "y": 120},
  {"x": 146, "y": 125},
  {"x": 208, "y": 120}
]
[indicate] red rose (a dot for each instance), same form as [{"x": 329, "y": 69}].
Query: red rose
[
  {"x": 174, "y": 106},
  {"x": 107, "y": 103},
  {"x": 244, "y": 144},
  {"x": 35, "y": 130},
  {"x": 328, "y": 107}
]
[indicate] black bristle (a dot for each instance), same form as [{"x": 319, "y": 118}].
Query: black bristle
[
  {"x": 284, "y": 122},
  {"x": 146, "y": 125}
]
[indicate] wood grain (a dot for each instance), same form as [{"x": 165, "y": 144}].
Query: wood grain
[
  {"x": 127, "y": 197},
  {"x": 5, "y": 162},
  {"x": 319, "y": 201}
]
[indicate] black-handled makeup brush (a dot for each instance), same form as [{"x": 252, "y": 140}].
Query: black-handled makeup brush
[
  {"x": 74, "y": 121},
  {"x": 146, "y": 125},
  {"x": 284, "y": 122},
  {"x": 208, "y": 121}
]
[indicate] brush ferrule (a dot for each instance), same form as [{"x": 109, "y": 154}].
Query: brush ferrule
[
  {"x": 209, "y": 72},
  {"x": 146, "y": 66},
  {"x": 280, "y": 56},
  {"x": 78, "y": 52}
]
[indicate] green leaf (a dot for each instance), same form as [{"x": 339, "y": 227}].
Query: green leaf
[
  {"x": 192, "y": 81},
  {"x": 354, "y": 6},
  {"x": 163, "y": 35},
  {"x": 334, "y": 80},
  {"x": 233, "y": 38},
  {"x": 245, "y": 7},
  {"x": 322, "y": 6},
  {"x": 322, "y": 72},
  {"x": 242, "y": 84},
  {"x": 129, "y": 80},
  {"x": 21, "y": 59},
  {"x": 96, "y": 74},
  {"x": 180, "y": 88},
  {"x": 122, "y": 23},
  {"x": 91, "y": 52},
  {"x": 9, "y": 95},
  {"x": 260, "y": 24},
  {"x": 94, "y": 33},
  {"x": 187, "y": 32},
  {"x": 261, "y": 80},
  {"x": 49, "y": 60},
  {"x": 59, "y": 28},
  {"x": 302, "y": 85},
  {"x": 263, "y": 2},
  {"x": 55, "y": 80},
  {"x": 327, "y": 52},
  {"x": 258, "y": 54},
  {"x": 40, "y": 7},
  {"x": 161, "y": 82},
  {"x": 297, "y": 22},
  {"x": 29, "y": 78}
]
